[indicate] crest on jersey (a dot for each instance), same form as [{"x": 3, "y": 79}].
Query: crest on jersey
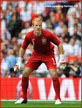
[{"x": 44, "y": 40}]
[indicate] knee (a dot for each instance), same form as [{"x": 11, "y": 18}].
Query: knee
[
  {"x": 53, "y": 73},
  {"x": 26, "y": 72}
]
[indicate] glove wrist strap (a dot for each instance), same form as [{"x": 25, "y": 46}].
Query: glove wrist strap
[
  {"x": 20, "y": 59},
  {"x": 61, "y": 56}
]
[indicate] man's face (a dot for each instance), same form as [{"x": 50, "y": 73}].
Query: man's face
[{"x": 37, "y": 28}]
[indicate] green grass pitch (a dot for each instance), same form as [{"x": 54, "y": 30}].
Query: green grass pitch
[{"x": 40, "y": 103}]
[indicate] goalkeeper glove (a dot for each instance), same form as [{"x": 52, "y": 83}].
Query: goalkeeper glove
[
  {"x": 18, "y": 64},
  {"x": 62, "y": 62}
]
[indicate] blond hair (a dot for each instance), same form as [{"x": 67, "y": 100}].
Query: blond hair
[{"x": 36, "y": 19}]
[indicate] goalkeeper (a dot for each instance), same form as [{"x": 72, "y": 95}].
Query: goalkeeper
[{"x": 43, "y": 53}]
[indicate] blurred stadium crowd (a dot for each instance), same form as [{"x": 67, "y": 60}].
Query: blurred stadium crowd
[{"x": 62, "y": 18}]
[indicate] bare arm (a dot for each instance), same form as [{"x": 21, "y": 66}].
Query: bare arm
[
  {"x": 62, "y": 62},
  {"x": 60, "y": 49},
  {"x": 21, "y": 52}
]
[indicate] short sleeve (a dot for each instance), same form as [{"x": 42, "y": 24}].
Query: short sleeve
[
  {"x": 26, "y": 41},
  {"x": 54, "y": 39}
]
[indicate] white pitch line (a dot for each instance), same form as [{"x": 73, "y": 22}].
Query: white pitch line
[{"x": 50, "y": 101}]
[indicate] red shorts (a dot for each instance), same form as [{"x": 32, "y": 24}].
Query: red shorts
[{"x": 36, "y": 59}]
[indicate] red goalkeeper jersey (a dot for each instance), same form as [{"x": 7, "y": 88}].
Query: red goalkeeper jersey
[{"x": 42, "y": 44}]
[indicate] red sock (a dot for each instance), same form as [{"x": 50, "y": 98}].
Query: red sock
[
  {"x": 24, "y": 87},
  {"x": 56, "y": 86}
]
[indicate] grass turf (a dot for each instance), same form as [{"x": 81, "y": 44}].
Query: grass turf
[{"x": 41, "y": 104}]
